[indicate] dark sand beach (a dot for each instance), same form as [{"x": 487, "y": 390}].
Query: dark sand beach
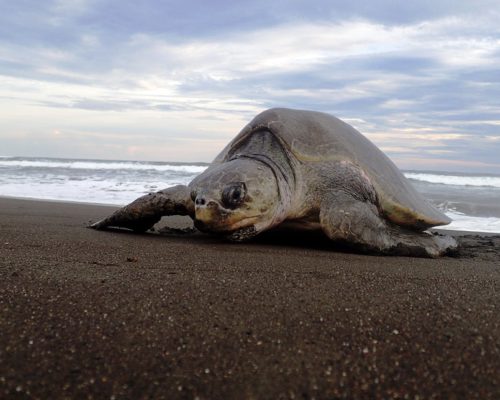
[{"x": 113, "y": 315}]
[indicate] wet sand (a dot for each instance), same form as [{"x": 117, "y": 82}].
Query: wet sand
[{"x": 88, "y": 314}]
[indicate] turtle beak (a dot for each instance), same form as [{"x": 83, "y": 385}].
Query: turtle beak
[{"x": 208, "y": 214}]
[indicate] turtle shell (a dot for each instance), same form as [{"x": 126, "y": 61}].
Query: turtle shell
[{"x": 314, "y": 137}]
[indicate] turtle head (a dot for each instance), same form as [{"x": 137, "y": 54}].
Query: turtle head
[{"x": 238, "y": 199}]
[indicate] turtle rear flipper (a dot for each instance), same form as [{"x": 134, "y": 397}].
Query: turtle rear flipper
[
  {"x": 358, "y": 224},
  {"x": 143, "y": 213}
]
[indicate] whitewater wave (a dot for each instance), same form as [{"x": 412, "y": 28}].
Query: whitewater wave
[
  {"x": 112, "y": 191},
  {"x": 463, "y": 222},
  {"x": 456, "y": 180},
  {"x": 101, "y": 165},
  {"x": 470, "y": 200}
]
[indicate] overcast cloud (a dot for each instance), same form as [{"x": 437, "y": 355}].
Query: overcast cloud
[{"x": 175, "y": 81}]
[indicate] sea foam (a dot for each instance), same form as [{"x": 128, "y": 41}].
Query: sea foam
[
  {"x": 462, "y": 222},
  {"x": 456, "y": 180},
  {"x": 120, "y": 182},
  {"x": 101, "y": 165}
]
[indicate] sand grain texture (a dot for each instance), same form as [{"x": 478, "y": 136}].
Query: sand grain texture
[{"x": 88, "y": 314}]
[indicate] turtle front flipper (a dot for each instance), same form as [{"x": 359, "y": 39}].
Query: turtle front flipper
[
  {"x": 358, "y": 224},
  {"x": 143, "y": 213}
]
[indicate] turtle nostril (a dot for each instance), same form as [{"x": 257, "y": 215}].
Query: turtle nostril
[{"x": 200, "y": 201}]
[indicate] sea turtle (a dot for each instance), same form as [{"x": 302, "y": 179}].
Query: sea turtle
[{"x": 303, "y": 170}]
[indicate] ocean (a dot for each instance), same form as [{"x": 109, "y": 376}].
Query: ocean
[{"x": 471, "y": 200}]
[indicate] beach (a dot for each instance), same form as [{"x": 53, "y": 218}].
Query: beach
[{"x": 117, "y": 315}]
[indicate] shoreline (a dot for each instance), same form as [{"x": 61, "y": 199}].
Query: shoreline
[
  {"x": 451, "y": 232},
  {"x": 83, "y": 203},
  {"x": 98, "y": 314}
]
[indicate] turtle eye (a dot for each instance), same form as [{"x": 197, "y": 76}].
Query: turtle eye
[{"x": 233, "y": 195}]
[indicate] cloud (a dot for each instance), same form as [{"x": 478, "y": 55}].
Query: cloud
[{"x": 414, "y": 79}]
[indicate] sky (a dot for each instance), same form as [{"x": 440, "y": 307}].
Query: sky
[{"x": 176, "y": 80}]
